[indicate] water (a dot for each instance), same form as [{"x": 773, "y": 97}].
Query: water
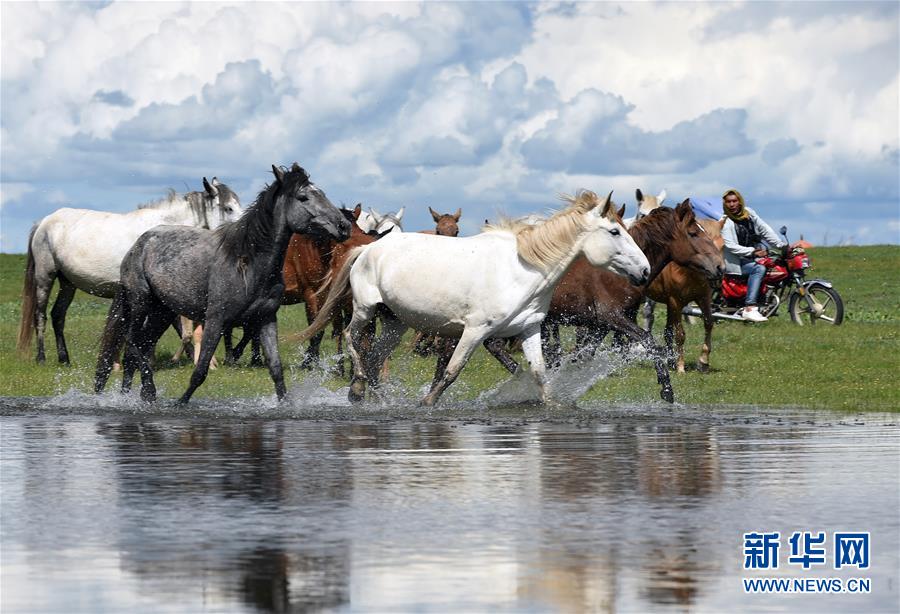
[{"x": 248, "y": 506}]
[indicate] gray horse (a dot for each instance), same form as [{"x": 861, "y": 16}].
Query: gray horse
[{"x": 230, "y": 277}]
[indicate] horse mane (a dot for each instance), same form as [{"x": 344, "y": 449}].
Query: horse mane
[
  {"x": 544, "y": 244},
  {"x": 195, "y": 200},
  {"x": 653, "y": 232},
  {"x": 253, "y": 231}
]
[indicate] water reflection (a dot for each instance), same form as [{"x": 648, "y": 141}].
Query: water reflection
[{"x": 289, "y": 515}]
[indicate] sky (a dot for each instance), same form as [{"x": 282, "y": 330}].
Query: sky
[{"x": 494, "y": 108}]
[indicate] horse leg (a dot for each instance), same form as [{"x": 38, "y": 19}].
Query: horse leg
[
  {"x": 353, "y": 337},
  {"x": 228, "y": 339},
  {"x": 196, "y": 340},
  {"x": 138, "y": 311},
  {"x": 311, "y": 356},
  {"x": 674, "y": 335},
  {"x": 182, "y": 326},
  {"x": 531, "y": 346},
  {"x": 58, "y": 315},
  {"x": 497, "y": 349},
  {"x": 44, "y": 285},
  {"x": 648, "y": 309},
  {"x": 550, "y": 343},
  {"x": 268, "y": 337},
  {"x": 705, "y": 305},
  {"x": 444, "y": 352},
  {"x": 211, "y": 335},
  {"x": 256, "y": 359},
  {"x": 470, "y": 339},
  {"x": 156, "y": 324},
  {"x": 392, "y": 329},
  {"x": 337, "y": 325},
  {"x": 635, "y": 332}
]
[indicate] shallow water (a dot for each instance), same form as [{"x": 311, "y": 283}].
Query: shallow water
[{"x": 243, "y": 506}]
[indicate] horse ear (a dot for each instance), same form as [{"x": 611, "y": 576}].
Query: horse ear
[
  {"x": 375, "y": 215},
  {"x": 357, "y": 211},
  {"x": 661, "y": 197},
  {"x": 458, "y": 214},
  {"x": 216, "y": 182},
  {"x": 279, "y": 174},
  {"x": 434, "y": 215},
  {"x": 722, "y": 222},
  {"x": 210, "y": 189},
  {"x": 622, "y": 211},
  {"x": 638, "y": 195},
  {"x": 684, "y": 212},
  {"x": 400, "y": 213},
  {"x": 605, "y": 206}
]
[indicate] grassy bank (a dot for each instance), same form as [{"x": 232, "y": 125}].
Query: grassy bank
[{"x": 848, "y": 367}]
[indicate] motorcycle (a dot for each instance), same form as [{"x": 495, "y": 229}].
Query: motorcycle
[{"x": 808, "y": 300}]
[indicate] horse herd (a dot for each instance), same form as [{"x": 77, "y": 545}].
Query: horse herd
[{"x": 201, "y": 258}]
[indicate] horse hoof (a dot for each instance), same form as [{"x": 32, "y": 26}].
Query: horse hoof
[
  {"x": 702, "y": 367},
  {"x": 357, "y": 392},
  {"x": 148, "y": 397},
  {"x": 667, "y": 394}
]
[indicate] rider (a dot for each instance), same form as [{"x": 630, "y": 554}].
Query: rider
[{"x": 743, "y": 232}]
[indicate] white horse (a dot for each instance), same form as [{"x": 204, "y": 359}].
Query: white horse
[
  {"x": 495, "y": 284},
  {"x": 83, "y": 249},
  {"x": 646, "y": 204},
  {"x": 373, "y": 222}
]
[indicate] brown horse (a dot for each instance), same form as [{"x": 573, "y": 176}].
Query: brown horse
[
  {"x": 308, "y": 267},
  {"x": 599, "y": 301},
  {"x": 676, "y": 286}
]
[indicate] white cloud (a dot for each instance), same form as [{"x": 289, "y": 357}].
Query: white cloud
[{"x": 481, "y": 105}]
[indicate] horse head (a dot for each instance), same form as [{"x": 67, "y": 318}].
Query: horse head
[
  {"x": 694, "y": 247},
  {"x": 607, "y": 243},
  {"x": 447, "y": 224},
  {"x": 388, "y": 221},
  {"x": 646, "y": 204},
  {"x": 307, "y": 209},
  {"x": 219, "y": 204}
]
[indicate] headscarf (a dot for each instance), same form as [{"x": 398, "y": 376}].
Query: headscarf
[{"x": 742, "y": 214}]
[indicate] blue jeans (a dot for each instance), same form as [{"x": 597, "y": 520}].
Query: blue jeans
[{"x": 755, "y": 273}]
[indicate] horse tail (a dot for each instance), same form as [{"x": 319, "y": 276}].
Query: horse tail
[
  {"x": 112, "y": 339},
  {"x": 337, "y": 292},
  {"x": 29, "y": 300}
]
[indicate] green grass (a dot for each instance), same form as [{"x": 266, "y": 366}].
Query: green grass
[{"x": 777, "y": 364}]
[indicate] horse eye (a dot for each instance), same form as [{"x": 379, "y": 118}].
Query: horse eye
[
  {"x": 694, "y": 233},
  {"x": 303, "y": 198},
  {"x": 614, "y": 232}
]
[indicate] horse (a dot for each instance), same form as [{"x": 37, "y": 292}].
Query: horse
[
  {"x": 646, "y": 204},
  {"x": 64, "y": 246},
  {"x": 676, "y": 286},
  {"x": 225, "y": 278},
  {"x": 308, "y": 266},
  {"x": 597, "y": 301},
  {"x": 443, "y": 285},
  {"x": 372, "y": 221}
]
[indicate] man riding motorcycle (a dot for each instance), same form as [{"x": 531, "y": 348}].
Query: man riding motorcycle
[{"x": 743, "y": 234}]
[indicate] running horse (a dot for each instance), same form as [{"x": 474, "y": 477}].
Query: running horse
[
  {"x": 461, "y": 297},
  {"x": 678, "y": 285},
  {"x": 64, "y": 247},
  {"x": 597, "y": 301},
  {"x": 225, "y": 278}
]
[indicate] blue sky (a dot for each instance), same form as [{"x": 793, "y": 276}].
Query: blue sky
[{"x": 491, "y": 107}]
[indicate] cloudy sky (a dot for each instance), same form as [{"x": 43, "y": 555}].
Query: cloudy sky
[{"x": 491, "y": 107}]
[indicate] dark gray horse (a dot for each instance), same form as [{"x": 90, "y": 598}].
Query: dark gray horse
[{"x": 230, "y": 277}]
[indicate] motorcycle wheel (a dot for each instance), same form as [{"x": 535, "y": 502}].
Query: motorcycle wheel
[{"x": 827, "y": 308}]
